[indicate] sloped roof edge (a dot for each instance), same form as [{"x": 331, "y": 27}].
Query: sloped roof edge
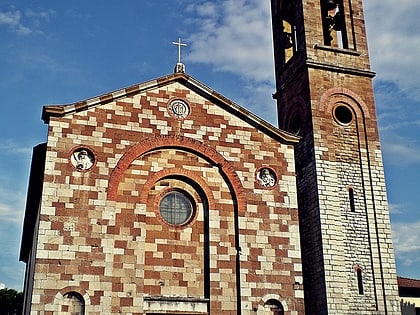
[
  {"x": 408, "y": 283},
  {"x": 62, "y": 110}
]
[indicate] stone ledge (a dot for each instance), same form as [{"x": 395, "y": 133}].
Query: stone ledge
[{"x": 175, "y": 304}]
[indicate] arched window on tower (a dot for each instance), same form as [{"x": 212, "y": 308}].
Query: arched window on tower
[
  {"x": 72, "y": 304},
  {"x": 274, "y": 307},
  {"x": 284, "y": 30},
  {"x": 289, "y": 30},
  {"x": 334, "y": 24}
]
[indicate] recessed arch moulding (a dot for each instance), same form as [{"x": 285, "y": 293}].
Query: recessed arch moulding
[{"x": 184, "y": 144}]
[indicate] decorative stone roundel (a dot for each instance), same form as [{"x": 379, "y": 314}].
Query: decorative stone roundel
[
  {"x": 179, "y": 109},
  {"x": 82, "y": 159},
  {"x": 266, "y": 177}
]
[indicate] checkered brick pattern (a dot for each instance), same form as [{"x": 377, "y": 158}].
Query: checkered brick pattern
[{"x": 101, "y": 234}]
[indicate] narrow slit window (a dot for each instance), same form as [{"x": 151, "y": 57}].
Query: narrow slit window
[
  {"x": 351, "y": 198},
  {"x": 360, "y": 280}
]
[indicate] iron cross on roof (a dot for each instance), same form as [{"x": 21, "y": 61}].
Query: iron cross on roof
[{"x": 179, "y": 44}]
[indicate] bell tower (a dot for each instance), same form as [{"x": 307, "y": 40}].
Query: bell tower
[{"x": 324, "y": 94}]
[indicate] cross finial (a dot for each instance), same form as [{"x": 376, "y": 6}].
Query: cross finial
[{"x": 179, "y": 44}]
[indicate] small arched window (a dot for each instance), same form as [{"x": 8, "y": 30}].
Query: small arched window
[
  {"x": 351, "y": 199},
  {"x": 73, "y": 304},
  {"x": 274, "y": 306}
]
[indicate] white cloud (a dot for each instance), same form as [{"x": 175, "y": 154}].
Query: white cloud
[
  {"x": 234, "y": 36},
  {"x": 10, "y": 213},
  {"x": 36, "y": 60},
  {"x": 12, "y": 20},
  {"x": 10, "y": 147},
  {"x": 11, "y": 206},
  {"x": 406, "y": 242},
  {"x": 394, "y": 38},
  {"x": 39, "y": 17},
  {"x": 12, "y": 201},
  {"x": 400, "y": 150},
  {"x": 396, "y": 208},
  {"x": 14, "y": 273},
  {"x": 42, "y": 15},
  {"x": 33, "y": 19},
  {"x": 11, "y": 218}
]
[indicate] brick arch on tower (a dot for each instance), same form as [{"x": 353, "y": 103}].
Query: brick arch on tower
[
  {"x": 185, "y": 143},
  {"x": 72, "y": 289},
  {"x": 263, "y": 301},
  {"x": 334, "y": 95}
]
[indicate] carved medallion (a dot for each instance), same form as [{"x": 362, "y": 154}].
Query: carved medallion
[
  {"x": 267, "y": 177},
  {"x": 82, "y": 159},
  {"x": 179, "y": 109}
]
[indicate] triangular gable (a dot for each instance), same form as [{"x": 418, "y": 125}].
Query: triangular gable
[{"x": 187, "y": 81}]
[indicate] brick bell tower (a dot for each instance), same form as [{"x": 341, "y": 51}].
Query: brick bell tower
[{"x": 324, "y": 94}]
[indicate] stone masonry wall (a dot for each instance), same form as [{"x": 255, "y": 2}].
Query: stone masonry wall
[
  {"x": 347, "y": 158},
  {"x": 342, "y": 198},
  {"x": 101, "y": 236}
]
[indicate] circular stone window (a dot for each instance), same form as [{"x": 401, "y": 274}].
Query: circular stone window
[
  {"x": 176, "y": 208},
  {"x": 343, "y": 114}
]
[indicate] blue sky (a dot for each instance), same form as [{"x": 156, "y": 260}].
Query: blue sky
[{"x": 56, "y": 52}]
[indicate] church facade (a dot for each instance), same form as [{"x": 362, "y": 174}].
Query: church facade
[
  {"x": 168, "y": 198},
  {"x": 164, "y": 197}
]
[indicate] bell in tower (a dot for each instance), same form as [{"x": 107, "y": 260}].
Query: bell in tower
[
  {"x": 284, "y": 29},
  {"x": 334, "y": 25}
]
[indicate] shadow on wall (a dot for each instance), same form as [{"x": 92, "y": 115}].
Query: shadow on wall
[{"x": 408, "y": 308}]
